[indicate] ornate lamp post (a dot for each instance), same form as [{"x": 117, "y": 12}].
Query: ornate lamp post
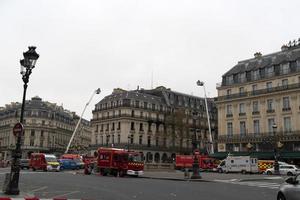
[
  {"x": 27, "y": 64},
  {"x": 276, "y": 164},
  {"x": 201, "y": 83},
  {"x": 196, "y": 174}
]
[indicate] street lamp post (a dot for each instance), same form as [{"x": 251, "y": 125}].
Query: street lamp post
[
  {"x": 201, "y": 83},
  {"x": 276, "y": 164},
  {"x": 27, "y": 64},
  {"x": 196, "y": 174},
  {"x": 77, "y": 125}
]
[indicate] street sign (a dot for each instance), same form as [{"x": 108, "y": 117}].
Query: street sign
[{"x": 18, "y": 129}]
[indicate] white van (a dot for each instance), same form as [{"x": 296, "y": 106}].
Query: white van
[{"x": 243, "y": 164}]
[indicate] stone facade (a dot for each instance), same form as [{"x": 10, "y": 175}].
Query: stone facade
[
  {"x": 259, "y": 103},
  {"x": 158, "y": 122},
  {"x": 48, "y": 128}
]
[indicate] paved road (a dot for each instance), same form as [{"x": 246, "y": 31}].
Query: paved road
[{"x": 72, "y": 185}]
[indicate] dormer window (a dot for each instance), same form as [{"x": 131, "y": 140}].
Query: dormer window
[
  {"x": 229, "y": 79},
  {"x": 255, "y": 75},
  {"x": 242, "y": 77},
  {"x": 285, "y": 68}
]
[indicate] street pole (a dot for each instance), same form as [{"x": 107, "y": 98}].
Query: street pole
[
  {"x": 29, "y": 61},
  {"x": 77, "y": 125},
  {"x": 276, "y": 164},
  {"x": 201, "y": 83}
]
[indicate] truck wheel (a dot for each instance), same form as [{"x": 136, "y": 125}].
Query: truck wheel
[
  {"x": 121, "y": 173},
  {"x": 243, "y": 171},
  {"x": 220, "y": 170},
  {"x": 33, "y": 169},
  {"x": 269, "y": 172},
  {"x": 290, "y": 174},
  {"x": 115, "y": 173}
]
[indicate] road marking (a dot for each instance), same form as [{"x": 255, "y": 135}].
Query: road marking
[
  {"x": 252, "y": 183},
  {"x": 65, "y": 194},
  {"x": 38, "y": 189}
]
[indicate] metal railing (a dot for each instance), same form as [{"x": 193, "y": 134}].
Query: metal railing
[{"x": 259, "y": 92}]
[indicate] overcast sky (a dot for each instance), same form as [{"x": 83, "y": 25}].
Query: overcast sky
[{"x": 85, "y": 44}]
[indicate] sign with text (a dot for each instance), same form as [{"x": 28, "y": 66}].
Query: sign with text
[{"x": 18, "y": 129}]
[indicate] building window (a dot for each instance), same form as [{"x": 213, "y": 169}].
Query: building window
[
  {"x": 153, "y": 106},
  {"x": 286, "y": 103},
  {"x": 242, "y": 90},
  {"x": 137, "y": 104},
  {"x": 242, "y": 128},
  {"x": 101, "y": 127},
  {"x": 229, "y": 110},
  {"x": 145, "y": 105},
  {"x": 271, "y": 122},
  {"x": 242, "y": 108},
  {"x": 285, "y": 68},
  {"x": 132, "y": 126},
  {"x": 107, "y": 127},
  {"x": 228, "y": 92},
  {"x": 141, "y": 139},
  {"x": 119, "y": 126},
  {"x": 149, "y": 141},
  {"x": 229, "y": 129},
  {"x": 255, "y": 75},
  {"x": 269, "y": 86},
  {"x": 32, "y": 133},
  {"x": 269, "y": 71},
  {"x": 141, "y": 127},
  {"x": 270, "y": 105},
  {"x": 256, "y": 127},
  {"x": 229, "y": 79},
  {"x": 113, "y": 127},
  {"x": 113, "y": 138},
  {"x": 132, "y": 113},
  {"x": 102, "y": 141},
  {"x": 165, "y": 142},
  {"x": 285, "y": 82},
  {"x": 255, "y": 106},
  {"x": 242, "y": 77},
  {"x": 287, "y": 124}
]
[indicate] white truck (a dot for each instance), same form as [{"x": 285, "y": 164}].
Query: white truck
[{"x": 243, "y": 164}]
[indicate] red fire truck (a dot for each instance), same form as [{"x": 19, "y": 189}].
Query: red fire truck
[
  {"x": 120, "y": 162},
  {"x": 186, "y": 161}
]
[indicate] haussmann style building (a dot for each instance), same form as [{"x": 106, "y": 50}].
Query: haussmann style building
[
  {"x": 48, "y": 128},
  {"x": 259, "y": 105},
  {"x": 159, "y": 123}
]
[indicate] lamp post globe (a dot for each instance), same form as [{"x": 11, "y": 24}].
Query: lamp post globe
[{"x": 11, "y": 184}]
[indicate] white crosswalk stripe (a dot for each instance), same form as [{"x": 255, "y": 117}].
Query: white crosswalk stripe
[{"x": 268, "y": 185}]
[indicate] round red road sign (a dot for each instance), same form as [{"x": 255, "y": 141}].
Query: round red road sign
[{"x": 18, "y": 129}]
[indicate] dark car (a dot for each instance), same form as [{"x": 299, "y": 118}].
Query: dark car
[
  {"x": 290, "y": 190},
  {"x": 24, "y": 163},
  {"x": 67, "y": 164}
]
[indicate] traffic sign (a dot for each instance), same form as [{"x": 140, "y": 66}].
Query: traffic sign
[{"x": 18, "y": 129}]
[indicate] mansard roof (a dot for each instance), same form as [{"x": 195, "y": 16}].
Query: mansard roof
[{"x": 288, "y": 54}]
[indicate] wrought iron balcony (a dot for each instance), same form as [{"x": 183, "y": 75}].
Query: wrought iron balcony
[
  {"x": 259, "y": 92},
  {"x": 284, "y": 136}
]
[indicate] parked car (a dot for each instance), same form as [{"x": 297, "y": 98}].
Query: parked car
[
  {"x": 79, "y": 163},
  {"x": 289, "y": 170},
  {"x": 67, "y": 164},
  {"x": 24, "y": 163},
  {"x": 290, "y": 190}
]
